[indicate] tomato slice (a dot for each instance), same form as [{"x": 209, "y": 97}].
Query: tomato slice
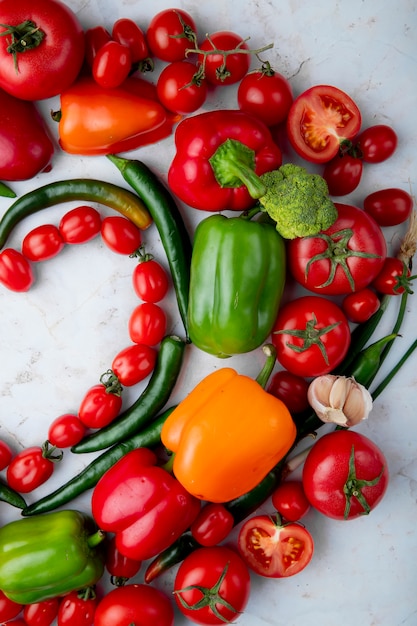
[
  {"x": 274, "y": 550},
  {"x": 319, "y": 120}
]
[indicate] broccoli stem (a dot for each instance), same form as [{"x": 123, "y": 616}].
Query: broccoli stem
[{"x": 233, "y": 165}]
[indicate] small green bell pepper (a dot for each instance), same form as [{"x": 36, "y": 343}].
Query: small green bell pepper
[
  {"x": 236, "y": 284},
  {"x": 49, "y": 555}
]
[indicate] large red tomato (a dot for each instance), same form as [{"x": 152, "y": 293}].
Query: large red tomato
[{"x": 52, "y": 54}]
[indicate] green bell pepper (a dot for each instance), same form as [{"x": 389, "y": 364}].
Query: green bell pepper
[
  {"x": 236, "y": 283},
  {"x": 49, "y": 555}
]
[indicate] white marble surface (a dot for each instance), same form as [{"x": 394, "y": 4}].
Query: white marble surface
[{"x": 57, "y": 339}]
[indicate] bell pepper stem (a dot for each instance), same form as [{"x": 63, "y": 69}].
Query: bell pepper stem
[
  {"x": 96, "y": 538},
  {"x": 233, "y": 165},
  {"x": 271, "y": 355}
]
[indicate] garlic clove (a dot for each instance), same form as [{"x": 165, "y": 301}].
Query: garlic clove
[{"x": 339, "y": 399}]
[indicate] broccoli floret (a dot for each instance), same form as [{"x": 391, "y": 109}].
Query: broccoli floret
[{"x": 297, "y": 201}]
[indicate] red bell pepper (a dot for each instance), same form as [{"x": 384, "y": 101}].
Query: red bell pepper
[
  {"x": 143, "y": 504},
  {"x": 191, "y": 175},
  {"x": 96, "y": 120}
]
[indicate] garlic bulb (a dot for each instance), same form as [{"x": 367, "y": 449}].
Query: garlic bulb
[{"x": 339, "y": 399}]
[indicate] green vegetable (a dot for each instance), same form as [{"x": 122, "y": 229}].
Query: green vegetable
[
  {"x": 49, "y": 555},
  {"x": 91, "y": 474},
  {"x": 169, "y": 222},
  {"x": 150, "y": 402},
  {"x": 6, "y": 192},
  {"x": 9, "y": 495},
  {"x": 237, "y": 280}
]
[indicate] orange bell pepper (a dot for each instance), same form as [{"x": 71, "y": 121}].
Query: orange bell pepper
[
  {"x": 227, "y": 434},
  {"x": 94, "y": 120}
]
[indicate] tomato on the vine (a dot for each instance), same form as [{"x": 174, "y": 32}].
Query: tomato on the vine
[
  {"x": 78, "y": 607},
  {"x": 180, "y": 88},
  {"x": 320, "y": 120},
  {"x": 134, "y": 363},
  {"x": 128, "y": 33},
  {"x": 100, "y": 405},
  {"x": 311, "y": 336},
  {"x": 212, "y": 525},
  {"x": 265, "y": 94},
  {"x": 8, "y": 608},
  {"x": 360, "y": 305},
  {"x": 291, "y": 389},
  {"x": 209, "y": 574},
  {"x": 32, "y": 467},
  {"x": 345, "y": 474},
  {"x": 120, "y": 234},
  {"x": 80, "y": 225},
  {"x": 170, "y": 33},
  {"x": 41, "y": 613},
  {"x": 134, "y": 604},
  {"x": 111, "y": 65},
  {"x": 225, "y": 65},
  {"x": 150, "y": 280},
  {"x": 272, "y": 549},
  {"x": 16, "y": 272},
  {"x": 6, "y": 454},
  {"x": 394, "y": 278},
  {"x": 42, "y": 243},
  {"x": 376, "y": 143},
  {"x": 389, "y": 207},
  {"x": 147, "y": 324},
  {"x": 343, "y": 174},
  {"x": 66, "y": 430},
  {"x": 290, "y": 500}
]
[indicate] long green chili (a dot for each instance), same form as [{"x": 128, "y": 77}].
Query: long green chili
[{"x": 9, "y": 495}]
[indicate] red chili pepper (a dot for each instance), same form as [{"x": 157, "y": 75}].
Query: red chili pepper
[
  {"x": 191, "y": 176},
  {"x": 143, "y": 504}
]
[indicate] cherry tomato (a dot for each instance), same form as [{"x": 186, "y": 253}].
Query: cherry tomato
[
  {"x": 291, "y": 389},
  {"x": 394, "y": 278},
  {"x": 290, "y": 500},
  {"x": 42, "y": 243},
  {"x": 8, "y": 608},
  {"x": 345, "y": 475},
  {"x": 120, "y": 234},
  {"x": 15, "y": 270},
  {"x": 360, "y": 305},
  {"x": 221, "y": 69},
  {"x": 170, "y": 33},
  {"x": 78, "y": 607},
  {"x": 212, "y": 525},
  {"x": 320, "y": 120},
  {"x": 128, "y": 33},
  {"x": 150, "y": 280},
  {"x": 31, "y": 467},
  {"x": 95, "y": 38},
  {"x": 134, "y": 363},
  {"x": 147, "y": 324},
  {"x": 66, "y": 430},
  {"x": 274, "y": 550},
  {"x": 111, "y": 65},
  {"x": 344, "y": 258},
  {"x": 41, "y": 613},
  {"x": 377, "y": 143},
  {"x": 134, "y": 604},
  {"x": 265, "y": 94},
  {"x": 343, "y": 174},
  {"x": 80, "y": 225},
  {"x": 389, "y": 207},
  {"x": 6, "y": 454},
  {"x": 99, "y": 407},
  {"x": 180, "y": 88},
  {"x": 311, "y": 335},
  {"x": 199, "y": 573},
  {"x": 119, "y": 566}
]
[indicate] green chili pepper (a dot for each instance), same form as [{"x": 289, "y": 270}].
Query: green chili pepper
[
  {"x": 9, "y": 495},
  {"x": 169, "y": 222},
  {"x": 119, "y": 199},
  {"x": 152, "y": 400},
  {"x": 6, "y": 192},
  {"x": 177, "y": 551},
  {"x": 49, "y": 555},
  {"x": 91, "y": 474}
]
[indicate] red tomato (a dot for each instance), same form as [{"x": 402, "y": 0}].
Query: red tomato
[
  {"x": 212, "y": 525},
  {"x": 111, "y": 65},
  {"x": 311, "y": 336},
  {"x": 147, "y": 324},
  {"x": 360, "y": 305},
  {"x": 141, "y": 605},
  {"x": 198, "y": 575},
  {"x": 52, "y": 60},
  {"x": 344, "y": 258},
  {"x": 120, "y": 234},
  {"x": 319, "y": 120},
  {"x": 134, "y": 363},
  {"x": 41, "y": 613},
  {"x": 126, "y": 32},
  {"x": 389, "y": 207},
  {"x": 180, "y": 88},
  {"x": 80, "y": 225},
  {"x": 6, "y": 454},
  {"x": 99, "y": 407},
  {"x": 15, "y": 270},
  {"x": 42, "y": 243},
  {"x": 66, "y": 430},
  {"x": 78, "y": 607},
  {"x": 394, "y": 278},
  {"x": 343, "y": 174},
  {"x": 8, "y": 608},
  {"x": 31, "y": 467},
  {"x": 170, "y": 33},
  {"x": 150, "y": 280},
  {"x": 272, "y": 550},
  {"x": 291, "y": 389},
  {"x": 265, "y": 94},
  {"x": 221, "y": 69},
  {"x": 376, "y": 143},
  {"x": 119, "y": 566},
  {"x": 95, "y": 38},
  {"x": 345, "y": 475},
  {"x": 290, "y": 500}
]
